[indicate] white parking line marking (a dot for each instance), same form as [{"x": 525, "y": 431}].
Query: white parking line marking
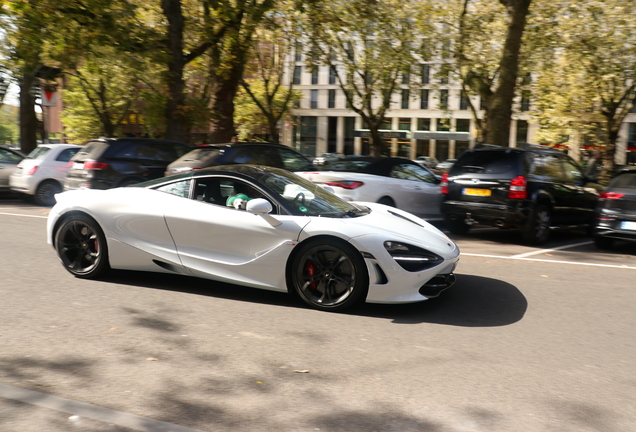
[
  {"x": 94, "y": 412},
  {"x": 542, "y": 251},
  {"x": 24, "y": 215},
  {"x": 550, "y": 261}
]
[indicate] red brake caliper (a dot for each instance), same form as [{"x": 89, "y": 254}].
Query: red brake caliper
[{"x": 310, "y": 271}]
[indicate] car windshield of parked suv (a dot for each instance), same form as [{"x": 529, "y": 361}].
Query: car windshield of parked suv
[
  {"x": 201, "y": 154},
  {"x": 38, "y": 153},
  {"x": 624, "y": 181},
  {"x": 93, "y": 148},
  {"x": 352, "y": 165},
  {"x": 485, "y": 162}
]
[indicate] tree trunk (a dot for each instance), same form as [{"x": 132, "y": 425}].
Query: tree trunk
[
  {"x": 499, "y": 112},
  {"x": 29, "y": 123},
  {"x": 177, "y": 124}
]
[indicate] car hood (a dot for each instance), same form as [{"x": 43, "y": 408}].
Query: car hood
[{"x": 389, "y": 223}]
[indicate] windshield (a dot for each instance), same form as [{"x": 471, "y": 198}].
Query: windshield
[{"x": 305, "y": 198}]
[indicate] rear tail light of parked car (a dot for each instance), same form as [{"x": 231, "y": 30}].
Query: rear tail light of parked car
[
  {"x": 610, "y": 196},
  {"x": 32, "y": 170},
  {"x": 345, "y": 184},
  {"x": 444, "y": 184},
  {"x": 518, "y": 188},
  {"x": 95, "y": 166}
]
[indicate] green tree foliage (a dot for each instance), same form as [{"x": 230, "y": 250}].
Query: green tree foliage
[
  {"x": 587, "y": 84},
  {"x": 9, "y": 126},
  {"x": 369, "y": 46}
]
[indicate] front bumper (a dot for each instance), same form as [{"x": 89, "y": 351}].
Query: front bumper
[{"x": 23, "y": 184}]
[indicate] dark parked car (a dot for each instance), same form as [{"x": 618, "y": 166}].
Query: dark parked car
[
  {"x": 274, "y": 155},
  {"x": 616, "y": 210},
  {"x": 532, "y": 188},
  {"x": 113, "y": 162}
]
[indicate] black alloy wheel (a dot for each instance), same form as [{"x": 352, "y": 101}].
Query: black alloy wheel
[
  {"x": 329, "y": 275},
  {"x": 538, "y": 229},
  {"x": 387, "y": 201},
  {"x": 45, "y": 193},
  {"x": 81, "y": 246}
]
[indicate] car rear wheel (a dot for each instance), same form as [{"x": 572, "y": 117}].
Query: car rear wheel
[
  {"x": 456, "y": 226},
  {"x": 81, "y": 246},
  {"x": 329, "y": 274},
  {"x": 45, "y": 193},
  {"x": 387, "y": 201},
  {"x": 538, "y": 229}
]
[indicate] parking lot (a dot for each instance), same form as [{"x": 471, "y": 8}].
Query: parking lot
[{"x": 529, "y": 339}]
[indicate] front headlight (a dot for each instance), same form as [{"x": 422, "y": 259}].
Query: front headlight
[{"x": 412, "y": 258}]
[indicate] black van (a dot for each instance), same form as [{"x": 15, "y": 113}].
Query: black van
[{"x": 113, "y": 162}]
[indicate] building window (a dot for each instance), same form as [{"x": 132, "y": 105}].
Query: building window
[
  {"x": 462, "y": 125},
  {"x": 463, "y": 101},
  {"x": 423, "y": 124},
  {"x": 332, "y": 134},
  {"x": 525, "y": 100},
  {"x": 349, "y": 51},
  {"x": 313, "y": 102},
  {"x": 308, "y": 134},
  {"x": 314, "y": 76},
  {"x": 406, "y": 94},
  {"x": 443, "y": 99},
  {"x": 522, "y": 131},
  {"x": 631, "y": 136},
  {"x": 349, "y": 126},
  {"x": 299, "y": 52},
  {"x": 298, "y": 70},
  {"x": 441, "y": 150},
  {"x": 426, "y": 72},
  {"x": 444, "y": 76},
  {"x": 404, "y": 124},
  {"x": 331, "y": 99},
  {"x": 386, "y": 124},
  {"x": 443, "y": 125},
  {"x": 332, "y": 75},
  {"x": 406, "y": 78},
  {"x": 424, "y": 99}
]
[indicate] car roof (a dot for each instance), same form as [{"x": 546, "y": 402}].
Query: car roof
[
  {"x": 521, "y": 147},
  {"x": 377, "y": 165},
  {"x": 242, "y": 144}
]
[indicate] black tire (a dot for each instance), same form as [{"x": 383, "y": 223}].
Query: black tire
[
  {"x": 387, "y": 201},
  {"x": 45, "y": 193},
  {"x": 81, "y": 246},
  {"x": 537, "y": 229},
  {"x": 456, "y": 226},
  {"x": 603, "y": 242},
  {"x": 329, "y": 274}
]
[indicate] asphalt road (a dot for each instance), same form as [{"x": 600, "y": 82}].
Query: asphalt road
[{"x": 527, "y": 340}]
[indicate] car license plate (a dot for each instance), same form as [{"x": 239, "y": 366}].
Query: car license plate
[
  {"x": 476, "y": 192},
  {"x": 78, "y": 165},
  {"x": 626, "y": 225}
]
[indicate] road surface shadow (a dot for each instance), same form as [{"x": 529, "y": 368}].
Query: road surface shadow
[{"x": 473, "y": 301}]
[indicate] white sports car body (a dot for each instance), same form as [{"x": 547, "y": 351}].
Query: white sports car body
[
  {"x": 396, "y": 182},
  {"x": 284, "y": 233}
]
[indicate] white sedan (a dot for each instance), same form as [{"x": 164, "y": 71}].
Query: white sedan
[
  {"x": 393, "y": 181},
  {"x": 256, "y": 226}
]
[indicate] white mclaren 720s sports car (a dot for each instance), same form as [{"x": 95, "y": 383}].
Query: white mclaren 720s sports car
[{"x": 255, "y": 226}]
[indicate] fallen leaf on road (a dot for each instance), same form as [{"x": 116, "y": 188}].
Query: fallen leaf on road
[
  {"x": 113, "y": 329},
  {"x": 549, "y": 255},
  {"x": 301, "y": 371},
  {"x": 544, "y": 276},
  {"x": 151, "y": 359}
]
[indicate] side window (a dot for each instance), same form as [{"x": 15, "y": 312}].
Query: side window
[
  {"x": 293, "y": 161},
  {"x": 181, "y": 188},
  {"x": 164, "y": 152},
  {"x": 548, "y": 166},
  {"x": 9, "y": 157},
  {"x": 258, "y": 155},
  {"x": 223, "y": 191},
  {"x": 412, "y": 172},
  {"x": 66, "y": 155},
  {"x": 572, "y": 171}
]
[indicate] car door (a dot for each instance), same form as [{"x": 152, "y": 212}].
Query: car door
[
  {"x": 551, "y": 173},
  {"x": 58, "y": 166},
  {"x": 8, "y": 161},
  {"x": 229, "y": 244},
  {"x": 419, "y": 191},
  {"x": 584, "y": 195}
]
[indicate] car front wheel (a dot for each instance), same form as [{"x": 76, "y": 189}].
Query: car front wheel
[
  {"x": 538, "y": 229},
  {"x": 81, "y": 246},
  {"x": 45, "y": 193},
  {"x": 329, "y": 274}
]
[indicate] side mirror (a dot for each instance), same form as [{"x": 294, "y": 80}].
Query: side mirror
[
  {"x": 328, "y": 188},
  {"x": 259, "y": 206}
]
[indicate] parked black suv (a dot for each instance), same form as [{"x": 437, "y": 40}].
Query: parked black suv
[
  {"x": 274, "y": 155},
  {"x": 616, "y": 210},
  {"x": 113, "y": 162},
  {"x": 532, "y": 188}
]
